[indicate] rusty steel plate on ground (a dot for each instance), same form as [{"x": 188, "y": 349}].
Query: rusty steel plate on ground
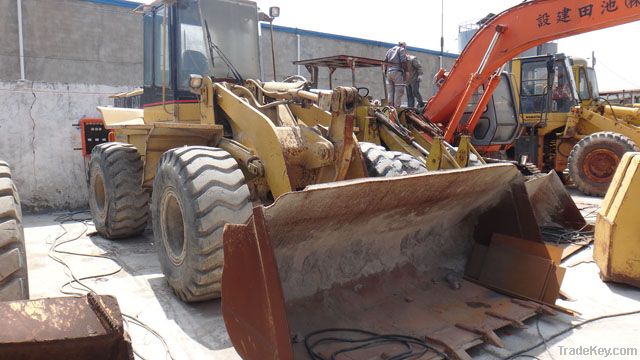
[{"x": 89, "y": 327}]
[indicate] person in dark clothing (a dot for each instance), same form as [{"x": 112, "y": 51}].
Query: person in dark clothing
[{"x": 413, "y": 85}]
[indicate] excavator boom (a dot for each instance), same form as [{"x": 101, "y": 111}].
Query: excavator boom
[{"x": 514, "y": 31}]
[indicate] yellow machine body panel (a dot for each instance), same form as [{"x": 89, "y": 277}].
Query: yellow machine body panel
[
  {"x": 185, "y": 112},
  {"x": 617, "y": 233}
]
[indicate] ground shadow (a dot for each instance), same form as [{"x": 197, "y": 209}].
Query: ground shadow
[
  {"x": 201, "y": 322},
  {"x": 625, "y": 290},
  {"x": 136, "y": 255}
]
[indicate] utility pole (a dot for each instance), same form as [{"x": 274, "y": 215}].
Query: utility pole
[{"x": 441, "y": 32}]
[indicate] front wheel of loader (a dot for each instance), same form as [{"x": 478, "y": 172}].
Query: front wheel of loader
[
  {"x": 381, "y": 162},
  {"x": 594, "y": 159},
  {"x": 14, "y": 284},
  {"x": 196, "y": 191},
  {"x": 118, "y": 203}
]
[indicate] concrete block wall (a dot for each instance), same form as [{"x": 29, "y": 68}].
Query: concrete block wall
[
  {"x": 77, "y": 54},
  {"x": 37, "y": 139},
  {"x": 72, "y": 41}
]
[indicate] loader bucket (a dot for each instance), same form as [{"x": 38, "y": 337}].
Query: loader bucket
[
  {"x": 413, "y": 256},
  {"x": 557, "y": 214},
  {"x": 552, "y": 204}
]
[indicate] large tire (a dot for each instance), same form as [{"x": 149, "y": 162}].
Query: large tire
[
  {"x": 383, "y": 163},
  {"x": 594, "y": 159},
  {"x": 119, "y": 205},
  {"x": 14, "y": 283},
  {"x": 196, "y": 191}
]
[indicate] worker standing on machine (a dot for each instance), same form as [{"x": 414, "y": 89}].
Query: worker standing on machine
[
  {"x": 413, "y": 85},
  {"x": 396, "y": 73}
]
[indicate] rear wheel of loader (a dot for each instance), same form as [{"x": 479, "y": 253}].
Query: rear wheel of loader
[
  {"x": 196, "y": 191},
  {"x": 383, "y": 163},
  {"x": 119, "y": 205},
  {"x": 14, "y": 284},
  {"x": 594, "y": 160}
]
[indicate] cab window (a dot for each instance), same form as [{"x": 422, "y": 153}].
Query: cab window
[
  {"x": 534, "y": 86},
  {"x": 192, "y": 58},
  {"x": 148, "y": 50},
  {"x": 583, "y": 90},
  {"x": 593, "y": 81},
  {"x": 561, "y": 93},
  {"x": 161, "y": 72}
]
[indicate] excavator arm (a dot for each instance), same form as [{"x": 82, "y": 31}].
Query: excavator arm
[{"x": 510, "y": 33}]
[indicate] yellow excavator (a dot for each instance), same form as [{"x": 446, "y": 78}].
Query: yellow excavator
[{"x": 262, "y": 193}]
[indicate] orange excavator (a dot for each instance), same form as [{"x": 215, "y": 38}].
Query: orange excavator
[
  {"x": 423, "y": 266},
  {"x": 466, "y": 89}
]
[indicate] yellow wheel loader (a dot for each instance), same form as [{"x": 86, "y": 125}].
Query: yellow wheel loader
[
  {"x": 314, "y": 229},
  {"x": 567, "y": 125}
]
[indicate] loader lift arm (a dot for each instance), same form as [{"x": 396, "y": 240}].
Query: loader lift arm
[{"x": 508, "y": 34}]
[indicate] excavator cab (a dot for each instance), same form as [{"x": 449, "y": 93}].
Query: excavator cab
[
  {"x": 547, "y": 93},
  {"x": 499, "y": 122},
  {"x": 547, "y": 88}
]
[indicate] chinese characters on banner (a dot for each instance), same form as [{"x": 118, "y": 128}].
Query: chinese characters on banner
[{"x": 566, "y": 15}]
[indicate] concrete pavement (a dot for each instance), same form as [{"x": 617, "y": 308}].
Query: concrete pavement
[{"x": 198, "y": 331}]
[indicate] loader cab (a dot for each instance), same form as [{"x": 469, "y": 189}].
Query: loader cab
[
  {"x": 547, "y": 86},
  {"x": 499, "y": 123},
  {"x": 176, "y": 46}
]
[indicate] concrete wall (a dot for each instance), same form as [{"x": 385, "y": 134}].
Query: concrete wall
[
  {"x": 72, "y": 41},
  {"x": 37, "y": 138},
  {"x": 315, "y": 45},
  {"x": 9, "y": 60},
  {"x": 78, "y": 52}
]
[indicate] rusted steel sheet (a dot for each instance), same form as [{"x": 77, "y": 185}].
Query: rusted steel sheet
[
  {"x": 552, "y": 204},
  {"x": 383, "y": 255},
  {"x": 63, "y": 328},
  {"x": 554, "y": 207}
]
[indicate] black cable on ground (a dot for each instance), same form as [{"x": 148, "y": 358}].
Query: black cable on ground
[
  {"x": 546, "y": 345},
  {"x": 77, "y": 283},
  {"x": 523, "y": 352},
  {"x": 413, "y": 347},
  {"x": 580, "y": 263},
  {"x": 559, "y": 235},
  {"x": 53, "y": 250}
]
